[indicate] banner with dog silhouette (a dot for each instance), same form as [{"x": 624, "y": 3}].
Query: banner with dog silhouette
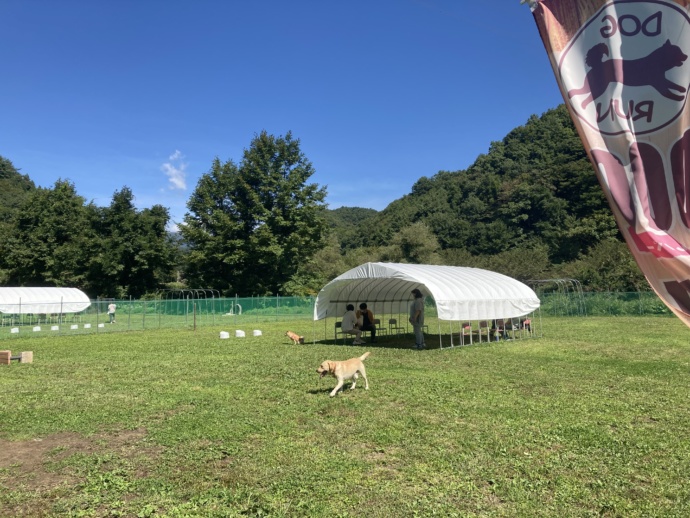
[{"x": 623, "y": 69}]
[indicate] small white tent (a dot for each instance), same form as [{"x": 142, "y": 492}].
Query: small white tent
[
  {"x": 42, "y": 300},
  {"x": 460, "y": 293}
]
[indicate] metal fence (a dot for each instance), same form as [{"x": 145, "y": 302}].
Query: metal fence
[
  {"x": 193, "y": 311},
  {"x": 639, "y": 303}
]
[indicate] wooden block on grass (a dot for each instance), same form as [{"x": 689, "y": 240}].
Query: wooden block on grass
[
  {"x": 5, "y": 357},
  {"x": 26, "y": 357}
]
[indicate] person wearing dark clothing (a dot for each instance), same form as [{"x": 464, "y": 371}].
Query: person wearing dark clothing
[{"x": 366, "y": 320}]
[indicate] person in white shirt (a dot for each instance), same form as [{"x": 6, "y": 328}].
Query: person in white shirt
[
  {"x": 350, "y": 325},
  {"x": 111, "y": 312}
]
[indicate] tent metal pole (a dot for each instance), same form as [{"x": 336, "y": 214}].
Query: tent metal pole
[{"x": 451, "y": 333}]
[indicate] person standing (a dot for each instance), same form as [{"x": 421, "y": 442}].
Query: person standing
[
  {"x": 417, "y": 318},
  {"x": 349, "y": 325},
  {"x": 111, "y": 312},
  {"x": 367, "y": 321}
]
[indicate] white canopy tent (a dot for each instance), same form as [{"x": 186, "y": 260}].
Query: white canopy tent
[
  {"x": 460, "y": 293},
  {"x": 19, "y": 301}
]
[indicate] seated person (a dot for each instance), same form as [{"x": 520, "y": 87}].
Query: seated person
[
  {"x": 366, "y": 320},
  {"x": 350, "y": 326}
]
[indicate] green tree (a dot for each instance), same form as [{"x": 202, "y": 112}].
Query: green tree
[
  {"x": 315, "y": 272},
  {"x": 414, "y": 244},
  {"x": 249, "y": 227},
  {"x": 609, "y": 266},
  {"x": 14, "y": 189},
  {"x": 50, "y": 239},
  {"x": 136, "y": 254}
]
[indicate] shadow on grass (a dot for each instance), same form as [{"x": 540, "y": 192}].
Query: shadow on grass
[
  {"x": 316, "y": 391},
  {"x": 397, "y": 342}
]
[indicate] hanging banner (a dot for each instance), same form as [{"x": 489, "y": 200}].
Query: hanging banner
[{"x": 624, "y": 73}]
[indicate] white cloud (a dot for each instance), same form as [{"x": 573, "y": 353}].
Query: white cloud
[{"x": 175, "y": 170}]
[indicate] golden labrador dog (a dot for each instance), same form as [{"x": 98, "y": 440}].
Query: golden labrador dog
[
  {"x": 296, "y": 339},
  {"x": 345, "y": 370}
]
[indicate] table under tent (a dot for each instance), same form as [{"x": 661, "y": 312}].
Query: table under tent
[
  {"x": 479, "y": 302},
  {"x": 41, "y": 305}
]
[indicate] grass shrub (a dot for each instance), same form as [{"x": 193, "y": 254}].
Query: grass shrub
[{"x": 590, "y": 420}]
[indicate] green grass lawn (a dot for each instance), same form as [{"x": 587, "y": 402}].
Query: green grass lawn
[{"x": 592, "y": 419}]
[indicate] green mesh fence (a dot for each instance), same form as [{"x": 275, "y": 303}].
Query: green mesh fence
[
  {"x": 641, "y": 303},
  {"x": 193, "y": 311}
]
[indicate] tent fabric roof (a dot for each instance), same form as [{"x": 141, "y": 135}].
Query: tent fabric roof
[
  {"x": 42, "y": 300},
  {"x": 460, "y": 293}
]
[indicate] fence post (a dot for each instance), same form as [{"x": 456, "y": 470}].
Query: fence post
[{"x": 639, "y": 301}]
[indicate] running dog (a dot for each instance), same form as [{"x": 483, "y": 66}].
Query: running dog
[
  {"x": 649, "y": 70},
  {"x": 296, "y": 339},
  {"x": 345, "y": 370}
]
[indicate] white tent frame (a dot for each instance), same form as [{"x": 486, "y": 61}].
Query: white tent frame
[
  {"x": 460, "y": 293},
  {"x": 22, "y": 301}
]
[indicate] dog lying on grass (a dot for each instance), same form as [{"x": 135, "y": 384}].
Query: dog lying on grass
[
  {"x": 296, "y": 339},
  {"x": 345, "y": 370}
]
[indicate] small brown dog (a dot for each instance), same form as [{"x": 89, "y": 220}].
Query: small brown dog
[
  {"x": 296, "y": 339},
  {"x": 348, "y": 369}
]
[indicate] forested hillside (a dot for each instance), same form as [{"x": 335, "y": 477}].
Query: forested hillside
[{"x": 530, "y": 207}]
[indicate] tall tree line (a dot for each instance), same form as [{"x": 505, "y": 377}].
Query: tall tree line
[
  {"x": 530, "y": 207},
  {"x": 250, "y": 229},
  {"x": 54, "y": 238}
]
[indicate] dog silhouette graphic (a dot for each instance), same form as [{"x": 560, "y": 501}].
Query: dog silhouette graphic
[{"x": 649, "y": 70}]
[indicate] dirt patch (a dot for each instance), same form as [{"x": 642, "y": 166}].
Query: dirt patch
[{"x": 27, "y": 463}]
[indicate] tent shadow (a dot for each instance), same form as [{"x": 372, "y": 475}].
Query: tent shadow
[{"x": 390, "y": 342}]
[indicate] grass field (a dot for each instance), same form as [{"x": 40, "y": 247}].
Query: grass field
[{"x": 592, "y": 419}]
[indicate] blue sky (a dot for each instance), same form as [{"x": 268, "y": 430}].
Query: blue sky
[{"x": 146, "y": 93}]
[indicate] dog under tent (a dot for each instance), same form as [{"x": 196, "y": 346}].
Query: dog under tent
[{"x": 461, "y": 294}]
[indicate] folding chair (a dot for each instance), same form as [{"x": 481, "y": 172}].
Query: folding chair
[
  {"x": 339, "y": 331},
  {"x": 515, "y": 328},
  {"x": 380, "y": 330},
  {"x": 393, "y": 327},
  {"x": 500, "y": 328},
  {"x": 526, "y": 326},
  {"x": 465, "y": 330},
  {"x": 484, "y": 329}
]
